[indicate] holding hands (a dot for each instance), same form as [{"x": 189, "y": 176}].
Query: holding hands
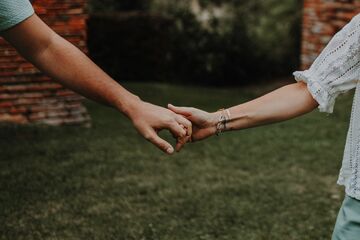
[
  {"x": 150, "y": 119},
  {"x": 204, "y": 123},
  {"x": 186, "y": 124}
]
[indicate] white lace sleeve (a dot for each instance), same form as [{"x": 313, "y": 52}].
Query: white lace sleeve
[{"x": 336, "y": 69}]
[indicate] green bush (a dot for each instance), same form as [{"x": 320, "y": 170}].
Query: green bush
[{"x": 235, "y": 43}]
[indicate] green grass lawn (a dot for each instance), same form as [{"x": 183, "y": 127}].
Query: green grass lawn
[{"x": 106, "y": 182}]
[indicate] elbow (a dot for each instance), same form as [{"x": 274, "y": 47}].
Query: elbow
[
  {"x": 309, "y": 103},
  {"x": 45, "y": 46}
]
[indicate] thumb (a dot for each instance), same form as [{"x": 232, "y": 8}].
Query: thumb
[
  {"x": 201, "y": 134},
  {"x": 185, "y": 111},
  {"x": 160, "y": 143}
]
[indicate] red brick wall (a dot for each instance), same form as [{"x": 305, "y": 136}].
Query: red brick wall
[
  {"x": 322, "y": 19},
  {"x": 26, "y": 95}
]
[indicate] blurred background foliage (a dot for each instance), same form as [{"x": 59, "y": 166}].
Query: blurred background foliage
[{"x": 212, "y": 42}]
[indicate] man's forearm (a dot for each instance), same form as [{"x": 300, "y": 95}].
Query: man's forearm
[
  {"x": 282, "y": 104},
  {"x": 82, "y": 75},
  {"x": 66, "y": 64}
]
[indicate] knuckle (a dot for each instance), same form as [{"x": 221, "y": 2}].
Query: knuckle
[
  {"x": 172, "y": 123},
  {"x": 188, "y": 124},
  {"x": 168, "y": 120},
  {"x": 148, "y": 137},
  {"x": 163, "y": 146},
  {"x": 172, "y": 120}
]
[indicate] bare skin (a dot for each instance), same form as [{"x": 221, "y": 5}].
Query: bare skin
[
  {"x": 282, "y": 104},
  {"x": 66, "y": 64}
]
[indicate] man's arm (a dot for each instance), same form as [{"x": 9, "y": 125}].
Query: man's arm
[
  {"x": 66, "y": 64},
  {"x": 282, "y": 104}
]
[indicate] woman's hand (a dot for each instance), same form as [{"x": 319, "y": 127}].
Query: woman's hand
[
  {"x": 150, "y": 119},
  {"x": 204, "y": 123}
]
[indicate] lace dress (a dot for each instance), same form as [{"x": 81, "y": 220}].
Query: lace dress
[{"x": 335, "y": 71}]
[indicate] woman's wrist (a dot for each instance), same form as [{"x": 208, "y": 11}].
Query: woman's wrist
[
  {"x": 218, "y": 121},
  {"x": 212, "y": 122}
]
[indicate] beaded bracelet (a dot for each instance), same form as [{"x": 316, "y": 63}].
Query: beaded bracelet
[{"x": 223, "y": 120}]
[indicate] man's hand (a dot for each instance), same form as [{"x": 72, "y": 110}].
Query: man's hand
[
  {"x": 67, "y": 65},
  {"x": 149, "y": 119},
  {"x": 204, "y": 123}
]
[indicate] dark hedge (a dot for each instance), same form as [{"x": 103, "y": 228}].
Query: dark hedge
[{"x": 140, "y": 46}]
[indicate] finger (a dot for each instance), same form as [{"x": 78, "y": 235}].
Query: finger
[
  {"x": 181, "y": 143},
  {"x": 186, "y": 111},
  {"x": 179, "y": 146},
  {"x": 160, "y": 143},
  {"x": 201, "y": 134},
  {"x": 176, "y": 130},
  {"x": 186, "y": 124}
]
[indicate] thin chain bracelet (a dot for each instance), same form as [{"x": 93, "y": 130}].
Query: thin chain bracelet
[{"x": 223, "y": 120}]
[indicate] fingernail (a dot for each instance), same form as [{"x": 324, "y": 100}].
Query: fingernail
[{"x": 170, "y": 150}]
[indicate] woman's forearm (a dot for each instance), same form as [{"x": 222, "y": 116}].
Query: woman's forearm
[{"x": 282, "y": 104}]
